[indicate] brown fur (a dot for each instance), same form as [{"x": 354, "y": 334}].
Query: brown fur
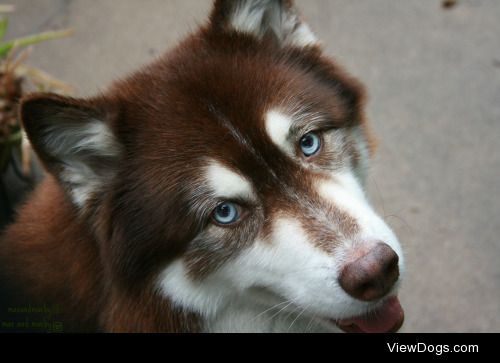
[
  {"x": 54, "y": 259},
  {"x": 99, "y": 262}
]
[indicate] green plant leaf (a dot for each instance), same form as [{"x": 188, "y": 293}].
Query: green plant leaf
[
  {"x": 5, "y": 48},
  {"x": 4, "y": 24}
]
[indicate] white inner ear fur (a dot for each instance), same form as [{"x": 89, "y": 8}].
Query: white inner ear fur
[
  {"x": 78, "y": 147},
  {"x": 257, "y": 17},
  {"x": 228, "y": 184},
  {"x": 65, "y": 140},
  {"x": 278, "y": 128}
]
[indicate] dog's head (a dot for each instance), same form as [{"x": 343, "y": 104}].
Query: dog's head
[{"x": 231, "y": 169}]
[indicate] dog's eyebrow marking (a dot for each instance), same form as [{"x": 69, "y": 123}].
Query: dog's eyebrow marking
[
  {"x": 228, "y": 184},
  {"x": 278, "y": 127},
  {"x": 240, "y": 138},
  {"x": 237, "y": 135}
]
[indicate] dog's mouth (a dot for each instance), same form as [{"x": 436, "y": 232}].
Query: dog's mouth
[{"x": 388, "y": 318}]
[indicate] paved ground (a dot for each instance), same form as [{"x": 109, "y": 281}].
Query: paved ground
[{"x": 434, "y": 80}]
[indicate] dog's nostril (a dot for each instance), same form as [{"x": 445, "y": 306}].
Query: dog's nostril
[
  {"x": 392, "y": 266},
  {"x": 366, "y": 286},
  {"x": 365, "y": 289},
  {"x": 373, "y": 275}
]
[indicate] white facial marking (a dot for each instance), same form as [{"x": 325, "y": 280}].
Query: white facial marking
[
  {"x": 227, "y": 184},
  {"x": 290, "y": 265},
  {"x": 263, "y": 286},
  {"x": 226, "y": 308},
  {"x": 302, "y": 279},
  {"x": 278, "y": 128},
  {"x": 204, "y": 298},
  {"x": 345, "y": 192}
]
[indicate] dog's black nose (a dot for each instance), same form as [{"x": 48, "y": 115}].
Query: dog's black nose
[{"x": 372, "y": 275}]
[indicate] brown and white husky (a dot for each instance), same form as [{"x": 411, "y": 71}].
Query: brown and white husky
[{"x": 218, "y": 189}]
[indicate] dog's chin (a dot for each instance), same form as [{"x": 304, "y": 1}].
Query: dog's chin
[{"x": 387, "y": 318}]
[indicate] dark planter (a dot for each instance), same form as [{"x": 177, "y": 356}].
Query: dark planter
[{"x": 14, "y": 185}]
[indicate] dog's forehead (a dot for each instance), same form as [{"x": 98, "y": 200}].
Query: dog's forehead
[
  {"x": 210, "y": 88},
  {"x": 234, "y": 106}
]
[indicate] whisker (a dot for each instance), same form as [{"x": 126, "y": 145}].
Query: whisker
[
  {"x": 274, "y": 315},
  {"x": 292, "y": 312},
  {"x": 271, "y": 308},
  {"x": 406, "y": 224},
  {"x": 309, "y": 326},
  {"x": 297, "y": 318}
]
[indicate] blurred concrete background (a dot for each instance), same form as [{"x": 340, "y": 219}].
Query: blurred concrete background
[{"x": 434, "y": 80}]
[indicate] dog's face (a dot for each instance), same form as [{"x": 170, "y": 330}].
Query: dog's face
[{"x": 231, "y": 169}]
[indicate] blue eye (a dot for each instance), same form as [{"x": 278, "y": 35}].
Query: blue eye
[
  {"x": 310, "y": 144},
  {"x": 226, "y": 214}
]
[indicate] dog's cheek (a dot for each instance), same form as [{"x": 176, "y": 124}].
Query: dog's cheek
[
  {"x": 198, "y": 280},
  {"x": 212, "y": 249},
  {"x": 285, "y": 262}
]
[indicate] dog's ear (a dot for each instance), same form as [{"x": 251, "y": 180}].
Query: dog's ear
[
  {"x": 261, "y": 18},
  {"x": 74, "y": 141}
]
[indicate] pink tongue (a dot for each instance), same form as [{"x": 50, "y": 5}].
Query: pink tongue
[{"x": 387, "y": 319}]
